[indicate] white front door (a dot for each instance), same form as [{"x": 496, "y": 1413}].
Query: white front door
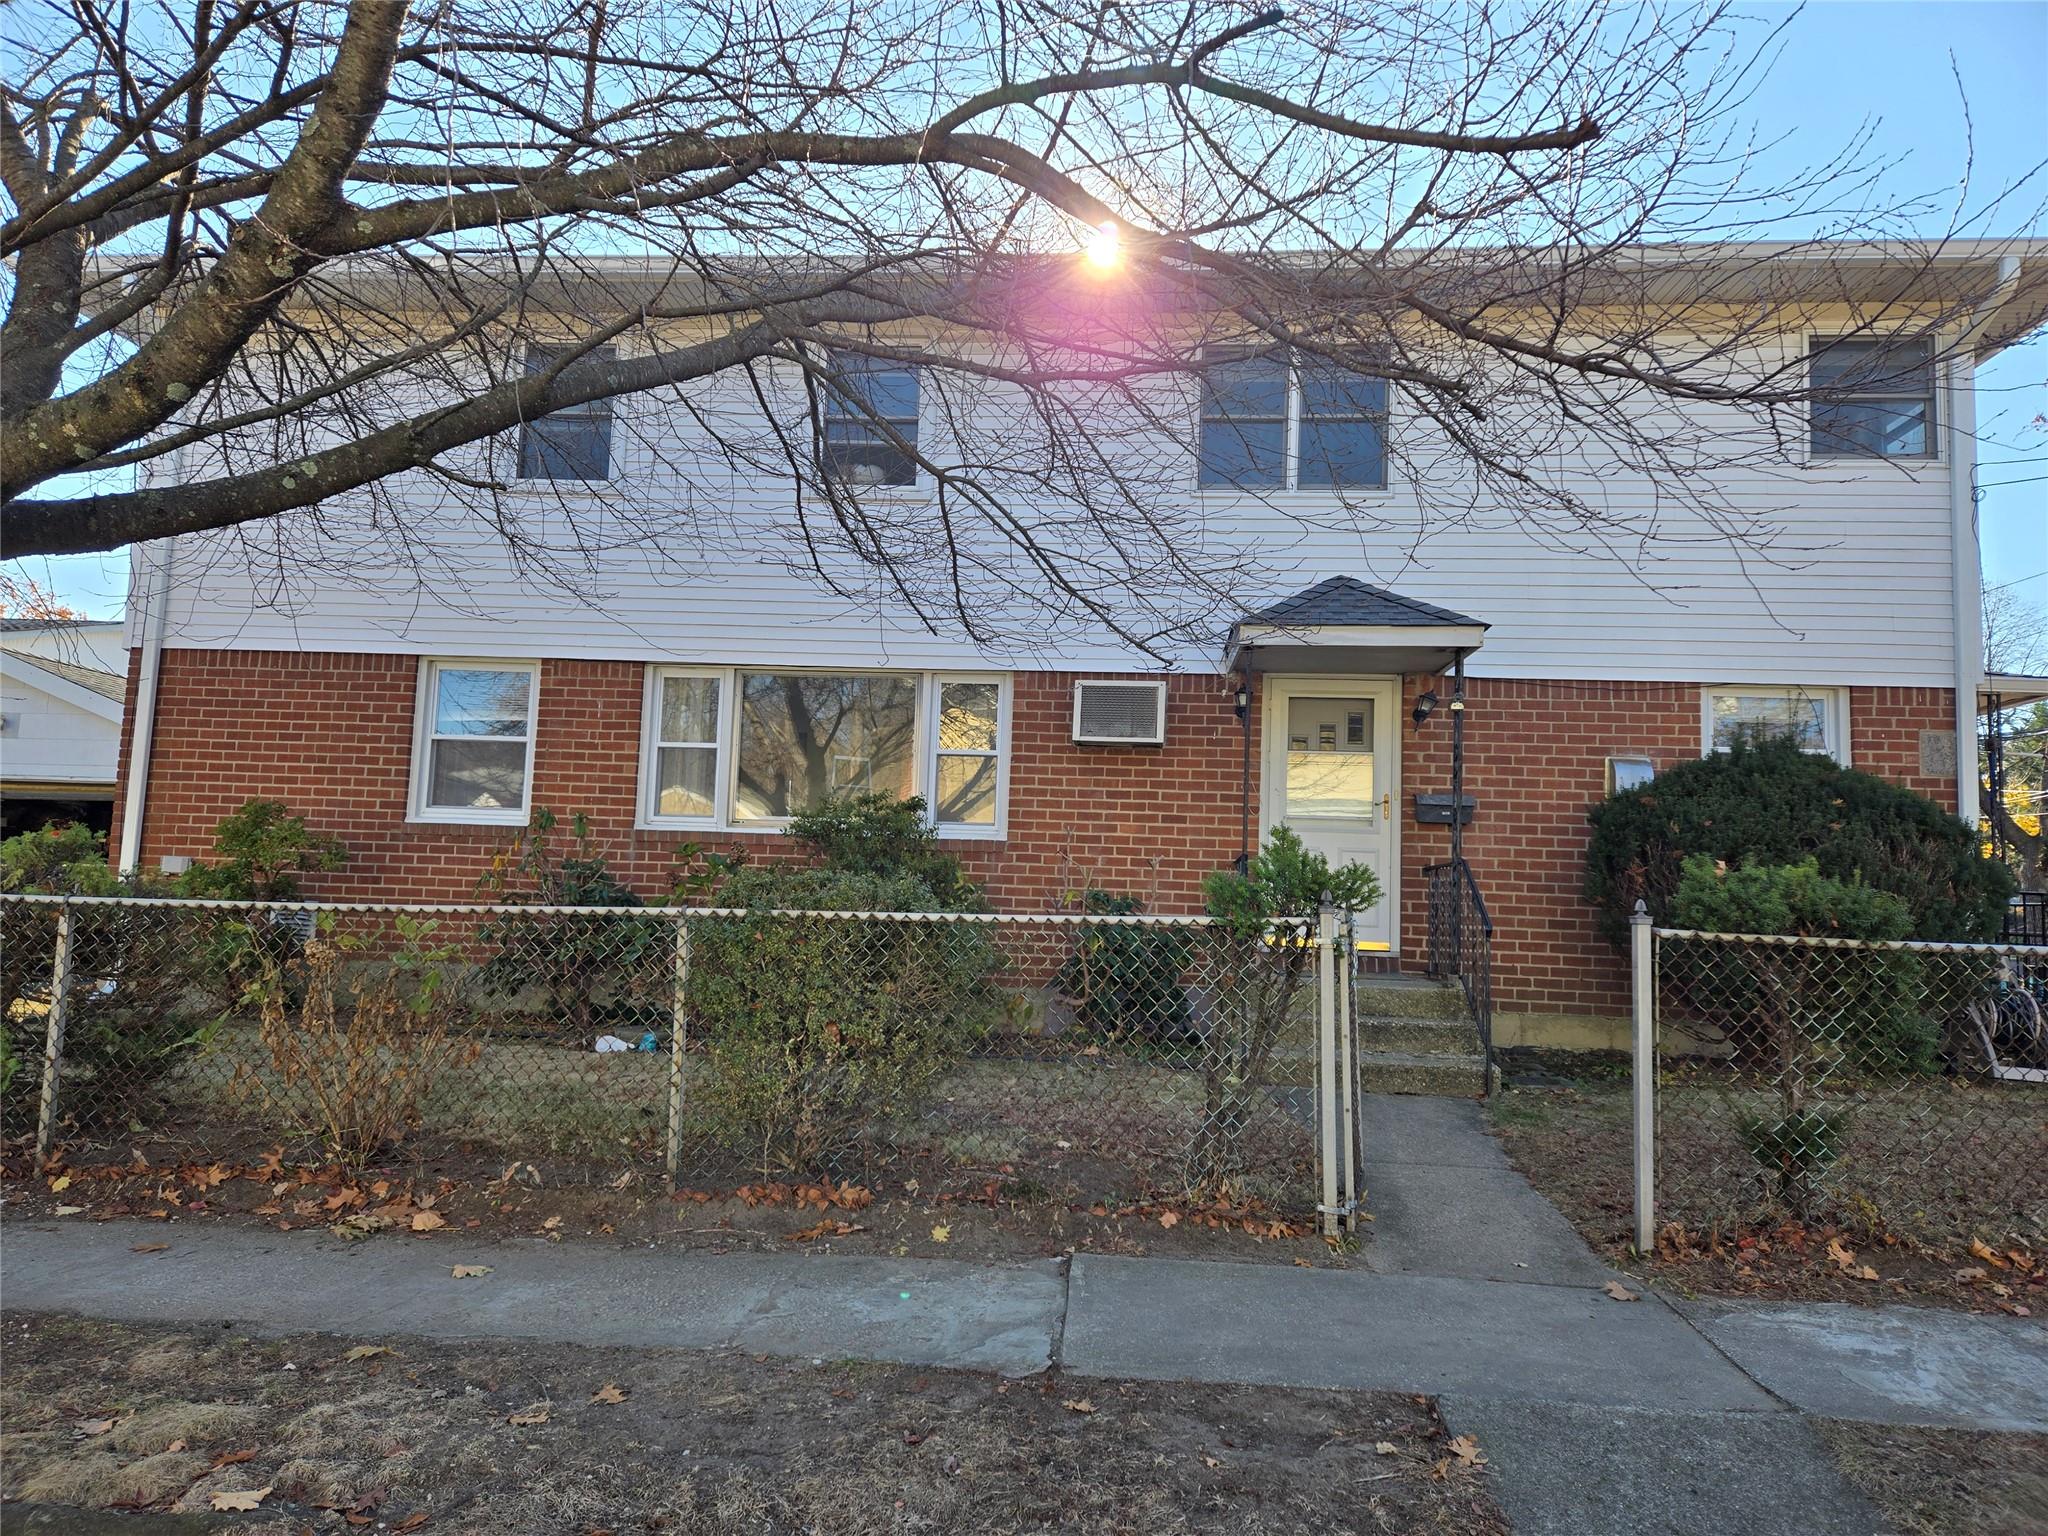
[{"x": 1332, "y": 773}]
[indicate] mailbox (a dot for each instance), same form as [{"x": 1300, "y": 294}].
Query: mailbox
[{"x": 1435, "y": 810}]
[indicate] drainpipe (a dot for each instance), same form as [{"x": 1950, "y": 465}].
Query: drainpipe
[
  {"x": 1458, "y": 759},
  {"x": 1966, "y": 575},
  {"x": 154, "y": 589},
  {"x": 1243, "y": 709}
]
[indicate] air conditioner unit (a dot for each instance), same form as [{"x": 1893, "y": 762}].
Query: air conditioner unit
[{"x": 1120, "y": 714}]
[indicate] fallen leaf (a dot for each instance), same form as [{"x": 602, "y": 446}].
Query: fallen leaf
[
  {"x": 610, "y": 1392},
  {"x": 174, "y": 1447},
  {"x": 367, "y": 1352},
  {"x": 428, "y": 1221},
  {"x": 1386, "y": 1448},
  {"x": 87, "y": 1428},
  {"x": 551, "y": 1224},
  {"x": 1210, "y": 1461},
  {"x": 829, "y": 1227},
  {"x": 231, "y": 1458},
  {"x": 1973, "y": 1274},
  {"x": 1466, "y": 1448},
  {"x": 942, "y": 1234},
  {"x": 1169, "y": 1219},
  {"x": 59, "y": 1184},
  {"x": 148, "y": 1247},
  {"x": 1863, "y": 1272},
  {"x": 535, "y": 1414},
  {"x": 69, "y": 1210},
  {"x": 1619, "y": 1291},
  {"x": 238, "y": 1498},
  {"x": 469, "y": 1271},
  {"x": 1078, "y": 1405},
  {"x": 1843, "y": 1255},
  {"x": 411, "y": 1522}
]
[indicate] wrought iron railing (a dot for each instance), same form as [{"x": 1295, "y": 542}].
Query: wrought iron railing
[
  {"x": 2026, "y": 919},
  {"x": 1461, "y": 943}
]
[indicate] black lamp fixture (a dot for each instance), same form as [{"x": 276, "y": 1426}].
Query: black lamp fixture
[
  {"x": 1241, "y": 703},
  {"x": 1425, "y": 706}
]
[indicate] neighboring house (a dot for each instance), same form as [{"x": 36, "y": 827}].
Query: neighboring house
[
  {"x": 62, "y": 682},
  {"x": 704, "y": 708}
]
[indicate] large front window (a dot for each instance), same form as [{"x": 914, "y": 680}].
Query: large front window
[
  {"x": 1279, "y": 423},
  {"x": 475, "y": 752},
  {"x": 807, "y": 738}
]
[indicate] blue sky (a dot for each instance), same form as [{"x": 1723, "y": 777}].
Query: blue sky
[{"x": 1844, "y": 62}]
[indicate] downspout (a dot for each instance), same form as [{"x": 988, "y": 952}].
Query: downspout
[
  {"x": 155, "y": 588},
  {"x": 1243, "y": 709},
  {"x": 1458, "y": 761},
  {"x": 1966, "y": 575}
]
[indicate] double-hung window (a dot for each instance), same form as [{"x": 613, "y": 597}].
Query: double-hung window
[
  {"x": 869, "y": 411},
  {"x": 1812, "y": 717},
  {"x": 474, "y": 757},
  {"x": 750, "y": 748},
  {"x": 1274, "y": 422},
  {"x": 575, "y": 442},
  {"x": 1873, "y": 398}
]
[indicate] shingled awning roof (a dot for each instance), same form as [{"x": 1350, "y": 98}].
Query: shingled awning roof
[{"x": 1345, "y": 625}]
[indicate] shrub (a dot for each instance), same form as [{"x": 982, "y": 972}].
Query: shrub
[
  {"x": 1770, "y": 801},
  {"x": 260, "y": 851},
  {"x": 136, "y": 1000},
  {"x": 1781, "y": 1004},
  {"x": 1123, "y": 979},
  {"x": 1264, "y": 919},
  {"x": 580, "y": 965},
  {"x": 881, "y": 836},
  {"x": 816, "y": 1028},
  {"x": 357, "y": 1056}
]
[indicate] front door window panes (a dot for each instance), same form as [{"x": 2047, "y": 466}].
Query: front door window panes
[{"x": 1329, "y": 758}]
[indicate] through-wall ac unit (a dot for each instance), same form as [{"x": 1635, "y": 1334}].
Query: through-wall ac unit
[{"x": 1120, "y": 714}]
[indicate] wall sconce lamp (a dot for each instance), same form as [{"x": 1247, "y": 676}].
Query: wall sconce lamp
[
  {"x": 1425, "y": 706},
  {"x": 1241, "y": 702}
]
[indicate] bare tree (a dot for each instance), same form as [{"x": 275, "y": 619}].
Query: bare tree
[{"x": 267, "y": 255}]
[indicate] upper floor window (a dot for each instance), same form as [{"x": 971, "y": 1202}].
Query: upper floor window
[
  {"x": 1813, "y": 717},
  {"x": 870, "y": 421},
  {"x": 1279, "y": 423},
  {"x": 474, "y": 757},
  {"x": 574, "y": 443},
  {"x": 1873, "y": 399}
]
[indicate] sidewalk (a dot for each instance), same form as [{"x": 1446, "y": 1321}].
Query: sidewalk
[{"x": 1600, "y": 1414}]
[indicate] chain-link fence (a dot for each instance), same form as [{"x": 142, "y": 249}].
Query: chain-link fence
[
  {"x": 1067, "y": 1054},
  {"x": 1899, "y": 1087}
]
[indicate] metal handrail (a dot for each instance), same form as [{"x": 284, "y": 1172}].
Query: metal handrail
[{"x": 1461, "y": 944}]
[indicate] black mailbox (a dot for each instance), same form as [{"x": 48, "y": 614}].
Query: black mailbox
[{"x": 1435, "y": 810}]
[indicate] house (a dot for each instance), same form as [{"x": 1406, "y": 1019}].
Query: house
[
  {"x": 702, "y": 696},
  {"x": 62, "y": 682}
]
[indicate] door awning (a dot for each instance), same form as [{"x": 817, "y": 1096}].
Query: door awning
[
  {"x": 2010, "y": 689},
  {"x": 1344, "y": 625}
]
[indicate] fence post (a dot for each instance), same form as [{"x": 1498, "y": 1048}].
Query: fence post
[
  {"x": 678, "y": 1042},
  {"x": 1347, "y": 1074},
  {"x": 1642, "y": 949},
  {"x": 1329, "y": 1116},
  {"x": 53, "y": 1045}
]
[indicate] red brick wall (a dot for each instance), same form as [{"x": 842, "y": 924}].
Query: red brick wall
[
  {"x": 331, "y": 735},
  {"x": 1536, "y": 759}
]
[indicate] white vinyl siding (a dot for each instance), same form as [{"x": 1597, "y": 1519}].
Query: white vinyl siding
[{"x": 473, "y": 741}]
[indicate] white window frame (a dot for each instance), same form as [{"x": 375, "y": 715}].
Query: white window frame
[
  {"x": 1290, "y": 436},
  {"x": 1938, "y": 406},
  {"x": 426, "y": 694},
  {"x": 924, "y": 748},
  {"x": 651, "y": 745},
  {"x": 935, "y": 683},
  {"x": 1834, "y": 713}
]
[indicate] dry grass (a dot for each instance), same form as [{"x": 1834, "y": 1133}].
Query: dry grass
[
  {"x": 1946, "y": 1482},
  {"x": 715, "y": 1444}
]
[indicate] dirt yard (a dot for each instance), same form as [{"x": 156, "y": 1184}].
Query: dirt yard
[
  {"x": 319, "y": 1433},
  {"x": 1572, "y": 1141}
]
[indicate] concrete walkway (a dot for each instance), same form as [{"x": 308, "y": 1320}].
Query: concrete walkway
[{"x": 1599, "y": 1415}]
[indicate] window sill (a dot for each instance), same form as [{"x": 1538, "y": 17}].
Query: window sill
[{"x": 517, "y": 818}]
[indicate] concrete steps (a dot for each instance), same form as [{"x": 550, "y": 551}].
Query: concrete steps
[{"x": 1416, "y": 1037}]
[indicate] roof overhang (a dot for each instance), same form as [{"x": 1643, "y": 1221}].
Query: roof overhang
[
  {"x": 1351, "y": 648},
  {"x": 2011, "y": 689},
  {"x": 27, "y": 670}
]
